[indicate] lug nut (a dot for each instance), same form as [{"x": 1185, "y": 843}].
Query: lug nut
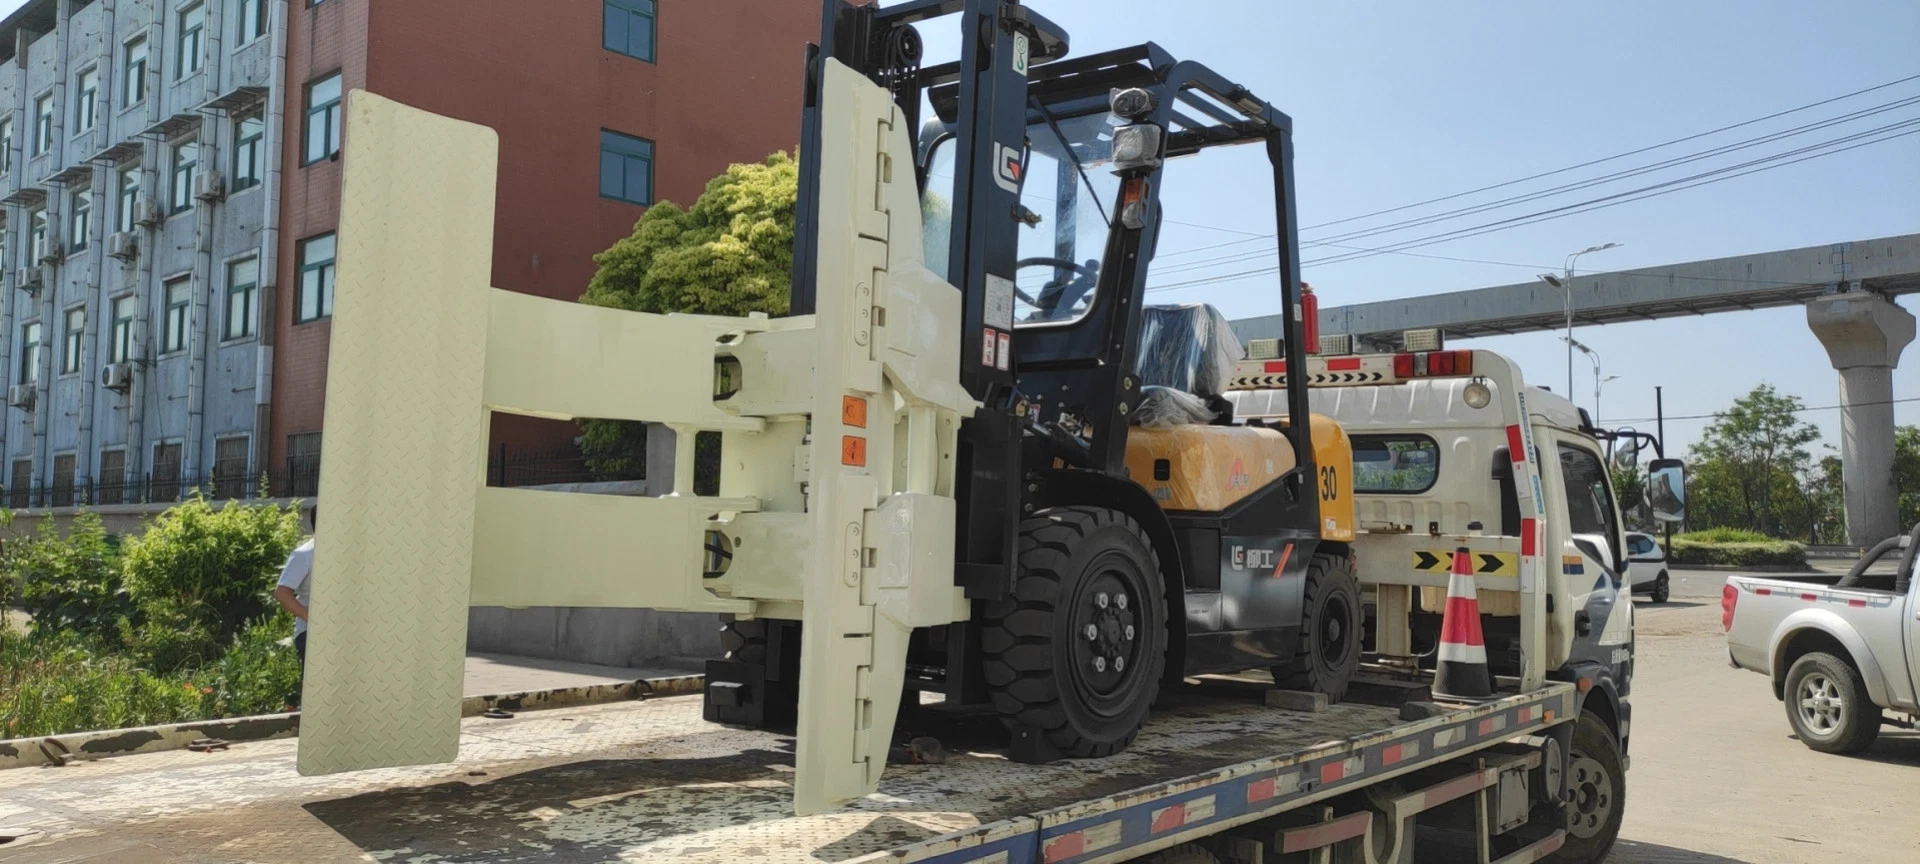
[
  {"x": 1099, "y": 664},
  {"x": 1120, "y": 600},
  {"x": 1092, "y": 632},
  {"x": 1129, "y": 630},
  {"x": 1119, "y": 664},
  {"x": 1100, "y": 599}
]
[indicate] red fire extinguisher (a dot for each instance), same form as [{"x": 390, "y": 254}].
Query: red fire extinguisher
[{"x": 1310, "y": 318}]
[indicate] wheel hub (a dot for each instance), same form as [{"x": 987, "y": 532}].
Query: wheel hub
[
  {"x": 1107, "y": 623},
  {"x": 1822, "y": 708},
  {"x": 1593, "y": 797}
]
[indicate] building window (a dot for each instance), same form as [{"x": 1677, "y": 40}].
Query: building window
[
  {"x": 253, "y": 20},
  {"x": 122, "y": 348},
  {"x": 6, "y": 145},
  {"x": 185, "y": 154},
  {"x": 230, "y": 467},
  {"x": 36, "y": 236},
  {"x": 246, "y": 152},
  {"x": 628, "y": 28},
  {"x": 72, "y": 340},
  {"x": 323, "y": 119},
  {"x": 111, "y": 477},
  {"x": 22, "y": 484},
  {"x": 303, "y": 465},
  {"x": 129, "y": 199},
  {"x": 626, "y": 168},
  {"x": 86, "y": 98},
  {"x": 63, "y": 466},
  {"x": 166, "y": 473},
  {"x": 243, "y": 284},
  {"x": 193, "y": 25},
  {"x": 30, "y": 353},
  {"x": 43, "y": 124},
  {"x": 173, "y": 335},
  {"x": 81, "y": 220},
  {"x": 316, "y": 279},
  {"x": 134, "y": 86}
]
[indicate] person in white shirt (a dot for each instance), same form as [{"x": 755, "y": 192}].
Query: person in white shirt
[{"x": 295, "y": 590}]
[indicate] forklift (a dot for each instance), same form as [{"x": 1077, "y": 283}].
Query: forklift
[{"x": 1117, "y": 530}]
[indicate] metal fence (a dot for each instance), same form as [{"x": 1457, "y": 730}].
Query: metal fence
[
  {"x": 146, "y": 489},
  {"x": 540, "y": 466}
]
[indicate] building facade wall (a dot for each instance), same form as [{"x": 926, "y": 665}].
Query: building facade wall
[{"x": 201, "y": 390}]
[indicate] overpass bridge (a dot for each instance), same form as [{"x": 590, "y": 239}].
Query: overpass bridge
[{"x": 1847, "y": 288}]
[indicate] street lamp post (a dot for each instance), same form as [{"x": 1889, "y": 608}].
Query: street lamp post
[
  {"x": 1566, "y": 284},
  {"x": 1597, "y": 380}
]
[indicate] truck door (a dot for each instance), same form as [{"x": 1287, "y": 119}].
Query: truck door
[{"x": 1590, "y": 557}]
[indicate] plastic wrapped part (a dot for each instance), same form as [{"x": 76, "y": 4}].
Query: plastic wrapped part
[
  {"x": 1189, "y": 347},
  {"x": 1164, "y": 407}
]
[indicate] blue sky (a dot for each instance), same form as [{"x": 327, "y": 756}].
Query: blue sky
[{"x": 1397, "y": 102}]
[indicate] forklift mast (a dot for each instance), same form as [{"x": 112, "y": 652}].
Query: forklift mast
[{"x": 1067, "y": 384}]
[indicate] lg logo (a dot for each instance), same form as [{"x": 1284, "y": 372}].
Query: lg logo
[{"x": 1006, "y": 167}]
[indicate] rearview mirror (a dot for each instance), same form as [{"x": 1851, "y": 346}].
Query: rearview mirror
[
  {"x": 1628, "y": 452},
  {"x": 1667, "y": 490}
]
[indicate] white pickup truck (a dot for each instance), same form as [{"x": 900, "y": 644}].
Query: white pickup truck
[{"x": 1841, "y": 656}]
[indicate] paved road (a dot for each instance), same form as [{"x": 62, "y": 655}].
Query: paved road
[{"x": 1717, "y": 777}]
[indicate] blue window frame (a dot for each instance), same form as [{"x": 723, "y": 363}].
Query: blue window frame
[
  {"x": 627, "y": 28},
  {"x": 626, "y": 168}
]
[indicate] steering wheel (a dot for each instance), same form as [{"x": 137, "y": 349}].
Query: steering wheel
[{"x": 1057, "y": 294}]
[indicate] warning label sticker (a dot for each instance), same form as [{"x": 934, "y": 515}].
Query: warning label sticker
[{"x": 999, "y": 302}]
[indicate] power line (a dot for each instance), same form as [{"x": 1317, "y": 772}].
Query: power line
[
  {"x": 1717, "y": 414},
  {"x": 1502, "y": 203},
  {"x": 1590, "y": 163},
  {"x": 1631, "y": 195}
]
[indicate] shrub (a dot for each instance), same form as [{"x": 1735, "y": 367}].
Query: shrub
[
  {"x": 69, "y": 584},
  {"x": 1736, "y": 548},
  {"x": 200, "y": 575}
]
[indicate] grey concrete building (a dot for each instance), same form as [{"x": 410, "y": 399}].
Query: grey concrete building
[{"x": 140, "y": 215}]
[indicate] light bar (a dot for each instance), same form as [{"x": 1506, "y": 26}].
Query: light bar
[
  {"x": 1426, "y": 339},
  {"x": 1263, "y": 349}
]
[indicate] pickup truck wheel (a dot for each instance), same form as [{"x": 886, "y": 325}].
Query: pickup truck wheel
[
  {"x": 1598, "y": 781},
  {"x": 1660, "y": 588},
  {"x": 1827, "y": 705},
  {"x": 1075, "y": 654},
  {"x": 1330, "y": 630}
]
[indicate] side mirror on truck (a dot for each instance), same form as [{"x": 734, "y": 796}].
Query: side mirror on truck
[{"x": 1667, "y": 489}]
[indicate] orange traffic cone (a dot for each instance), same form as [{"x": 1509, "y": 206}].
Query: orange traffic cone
[{"x": 1461, "y": 674}]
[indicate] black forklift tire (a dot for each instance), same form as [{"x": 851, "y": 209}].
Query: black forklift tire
[
  {"x": 1835, "y": 714},
  {"x": 1185, "y": 853},
  {"x": 1330, "y": 630},
  {"x": 1082, "y": 570},
  {"x": 1597, "y": 777}
]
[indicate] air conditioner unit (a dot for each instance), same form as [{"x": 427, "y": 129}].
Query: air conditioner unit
[
  {"x": 55, "y": 252},
  {"x": 146, "y": 212},
  {"x": 122, "y": 244},
  {"x": 209, "y": 186},
  {"x": 21, "y": 396},
  {"x": 27, "y": 279},
  {"x": 117, "y": 376}
]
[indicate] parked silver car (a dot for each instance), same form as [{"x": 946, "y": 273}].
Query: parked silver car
[{"x": 1647, "y": 564}]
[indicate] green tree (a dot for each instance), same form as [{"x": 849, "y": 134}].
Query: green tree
[
  {"x": 1630, "y": 488},
  {"x": 1906, "y": 474},
  {"x": 1752, "y": 464},
  {"x": 730, "y": 254}
]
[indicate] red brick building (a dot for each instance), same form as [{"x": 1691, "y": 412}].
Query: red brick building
[{"x": 601, "y": 106}]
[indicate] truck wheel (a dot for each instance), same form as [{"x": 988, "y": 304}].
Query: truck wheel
[
  {"x": 1075, "y": 654},
  {"x": 1330, "y": 630},
  {"x": 1598, "y": 782},
  {"x": 1827, "y": 705},
  {"x": 1660, "y": 588}
]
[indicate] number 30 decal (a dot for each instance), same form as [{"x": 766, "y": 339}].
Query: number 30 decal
[{"x": 1329, "y": 484}]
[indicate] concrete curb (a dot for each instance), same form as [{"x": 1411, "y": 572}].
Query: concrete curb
[
  {"x": 104, "y": 743},
  {"x": 1798, "y": 569}
]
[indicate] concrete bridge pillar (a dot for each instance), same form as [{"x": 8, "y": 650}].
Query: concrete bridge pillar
[{"x": 1864, "y": 334}]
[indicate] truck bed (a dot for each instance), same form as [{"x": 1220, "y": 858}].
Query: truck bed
[{"x": 645, "y": 781}]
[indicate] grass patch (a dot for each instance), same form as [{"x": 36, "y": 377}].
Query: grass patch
[{"x": 1733, "y": 547}]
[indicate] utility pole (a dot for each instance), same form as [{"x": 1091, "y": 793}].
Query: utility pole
[{"x": 1660, "y": 449}]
